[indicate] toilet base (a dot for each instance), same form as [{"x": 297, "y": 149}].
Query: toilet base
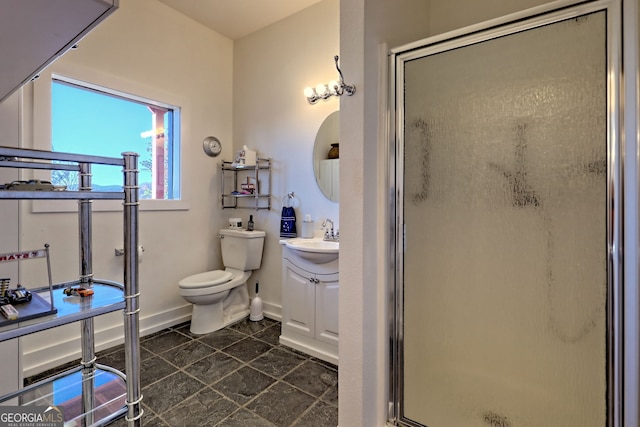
[{"x": 207, "y": 318}]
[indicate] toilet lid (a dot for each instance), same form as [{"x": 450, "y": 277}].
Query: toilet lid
[{"x": 203, "y": 280}]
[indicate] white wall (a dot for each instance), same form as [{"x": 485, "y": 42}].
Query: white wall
[
  {"x": 366, "y": 26},
  {"x": 631, "y": 368},
  {"x": 449, "y": 15},
  {"x": 265, "y": 74},
  {"x": 144, "y": 48},
  {"x": 201, "y": 71},
  {"x": 271, "y": 115}
]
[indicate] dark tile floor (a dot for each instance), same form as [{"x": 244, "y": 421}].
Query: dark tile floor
[{"x": 239, "y": 376}]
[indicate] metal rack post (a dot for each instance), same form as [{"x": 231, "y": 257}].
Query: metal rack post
[
  {"x": 131, "y": 290},
  {"x": 86, "y": 277}
]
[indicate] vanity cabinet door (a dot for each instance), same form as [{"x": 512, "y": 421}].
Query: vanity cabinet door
[
  {"x": 327, "y": 308},
  {"x": 298, "y": 308}
]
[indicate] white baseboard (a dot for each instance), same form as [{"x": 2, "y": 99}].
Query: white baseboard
[
  {"x": 41, "y": 359},
  {"x": 322, "y": 351},
  {"x": 272, "y": 311}
]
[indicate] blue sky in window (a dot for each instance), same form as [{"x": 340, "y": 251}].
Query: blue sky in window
[{"x": 86, "y": 122}]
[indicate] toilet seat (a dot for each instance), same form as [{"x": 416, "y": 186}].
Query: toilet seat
[{"x": 206, "y": 279}]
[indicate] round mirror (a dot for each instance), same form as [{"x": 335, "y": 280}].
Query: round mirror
[{"x": 326, "y": 157}]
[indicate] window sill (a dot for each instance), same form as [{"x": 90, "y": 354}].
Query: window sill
[{"x": 51, "y": 206}]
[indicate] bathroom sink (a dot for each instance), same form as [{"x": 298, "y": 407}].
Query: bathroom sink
[{"x": 314, "y": 250}]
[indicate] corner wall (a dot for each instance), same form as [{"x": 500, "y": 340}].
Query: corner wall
[
  {"x": 271, "y": 115},
  {"x": 368, "y": 28}
]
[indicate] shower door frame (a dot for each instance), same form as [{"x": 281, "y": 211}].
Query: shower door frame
[{"x": 622, "y": 201}]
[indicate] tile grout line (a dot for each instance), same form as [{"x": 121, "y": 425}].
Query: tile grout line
[{"x": 264, "y": 335}]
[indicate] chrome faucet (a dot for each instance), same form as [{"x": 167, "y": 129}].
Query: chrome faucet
[{"x": 329, "y": 234}]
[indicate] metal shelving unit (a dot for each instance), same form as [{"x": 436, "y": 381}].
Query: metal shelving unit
[
  {"x": 96, "y": 394},
  {"x": 231, "y": 194}
]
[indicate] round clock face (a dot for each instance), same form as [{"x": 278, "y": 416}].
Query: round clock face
[{"x": 212, "y": 146}]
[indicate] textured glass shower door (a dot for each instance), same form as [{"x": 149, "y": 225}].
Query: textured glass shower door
[{"x": 504, "y": 190}]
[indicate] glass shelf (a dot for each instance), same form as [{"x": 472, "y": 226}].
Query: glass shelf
[
  {"x": 260, "y": 164},
  {"x": 104, "y": 387},
  {"x": 107, "y": 297},
  {"x": 246, "y": 195},
  {"x": 231, "y": 196}
]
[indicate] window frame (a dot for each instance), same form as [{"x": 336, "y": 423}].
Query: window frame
[{"x": 94, "y": 80}]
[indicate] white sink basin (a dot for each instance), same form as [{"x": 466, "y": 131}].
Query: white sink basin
[{"x": 314, "y": 250}]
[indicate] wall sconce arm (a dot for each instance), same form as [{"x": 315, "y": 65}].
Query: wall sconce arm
[{"x": 349, "y": 90}]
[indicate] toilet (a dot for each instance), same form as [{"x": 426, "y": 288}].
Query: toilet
[{"x": 220, "y": 297}]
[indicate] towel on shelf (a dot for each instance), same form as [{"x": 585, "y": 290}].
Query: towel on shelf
[{"x": 288, "y": 222}]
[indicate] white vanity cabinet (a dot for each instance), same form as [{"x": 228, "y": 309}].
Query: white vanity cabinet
[{"x": 310, "y": 306}]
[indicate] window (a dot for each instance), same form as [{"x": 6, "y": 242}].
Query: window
[{"x": 88, "y": 119}]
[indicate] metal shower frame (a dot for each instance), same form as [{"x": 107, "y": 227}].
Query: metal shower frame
[{"x": 623, "y": 323}]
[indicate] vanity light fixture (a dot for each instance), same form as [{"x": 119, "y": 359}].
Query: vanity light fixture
[{"x": 334, "y": 88}]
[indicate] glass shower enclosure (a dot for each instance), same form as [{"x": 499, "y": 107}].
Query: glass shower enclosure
[{"x": 507, "y": 166}]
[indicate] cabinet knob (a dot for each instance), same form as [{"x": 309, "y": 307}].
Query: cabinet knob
[{"x": 311, "y": 279}]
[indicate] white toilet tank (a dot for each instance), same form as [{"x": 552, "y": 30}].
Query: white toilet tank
[{"x": 241, "y": 249}]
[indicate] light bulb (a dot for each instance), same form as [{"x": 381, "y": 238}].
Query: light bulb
[
  {"x": 308, "y": 92},
  {"x": 321, "y": 90},
  {"x": 334, "y": 87}
]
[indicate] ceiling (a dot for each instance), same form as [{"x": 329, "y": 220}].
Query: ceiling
[{"x": 237, "y": 18}]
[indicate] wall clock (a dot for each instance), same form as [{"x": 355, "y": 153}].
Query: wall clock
[{"x": 212, "y": 146}]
